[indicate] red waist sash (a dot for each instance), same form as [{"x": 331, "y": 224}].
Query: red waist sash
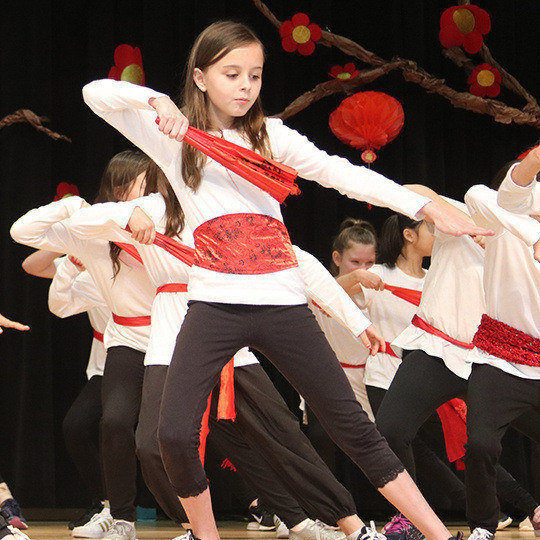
[
  {"x": 352, "y": 366},
  {"x": 391, "y": 351},
  {"x": 244, "y": 244},
  {"x": 502, "y": 340},
  {"x": 410, "y": 295},
  {"x": 423, "y": 325},
  {"x": 172, "y": 288},
  {"x": 132, "y": 321},
  {"x": 98, "y": 336}
]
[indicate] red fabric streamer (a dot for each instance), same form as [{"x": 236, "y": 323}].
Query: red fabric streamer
[
  {"x": 144, "y": 320},
  {"x": 502, "y": 340},
  {"x": 453, "y": 415},
  {"x": 205, "y": 430},
  {"x": 410, "y": 295},
  {"x": 423, "y": 325},
  {"x": 130, "y": 250},
  {"x": 98, "y": 336},
  {"x": 172, "y": 288},
  {"x": 391, "y": 351}
]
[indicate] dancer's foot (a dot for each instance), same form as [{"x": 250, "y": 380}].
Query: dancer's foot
[
  {"x": 504, "y": 521},
  {"x": 186, "y": 536},
  {"x": 400, "y": 528},
  {"x": 12, "y": 512},
  {"x": 262, "y": 519},
  {"x": 316, "y": 530},
  {"x": 85, "y": 517},
  {"x": 96, "y": 527},
  {"x": 368, "y": 533},
  {"x": 535, "y": 522},
  {"x": 121, "y": 530},
  {"x": 481, "y": 534},
  {"x": 12, "y": 533},
  {"x": 526, "y": 525}
]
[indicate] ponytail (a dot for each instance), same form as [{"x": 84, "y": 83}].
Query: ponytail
[
  {"x": 391, "y": 239},
  {"x": 353, "y": 231}
]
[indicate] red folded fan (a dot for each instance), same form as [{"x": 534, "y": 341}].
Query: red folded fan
[
  {"x": 275, "y": 178},
  {"x": 410, "y": 295}
]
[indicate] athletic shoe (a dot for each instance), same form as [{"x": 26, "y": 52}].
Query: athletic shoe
[
  {"x": 400, "y": 528},
  {"x": 526, "y": 525},
  {"x": 281, "y": 529},
  {"x": 316, "y": 530},
  {"x": 262, "y": 519},
  {"x": 12, "y": 512},
  {"x": 85, "y": 517},
  {"x": 504, "y": 521},
  {"x": 481, "y": 534},
  {"x": 97, "y": 526},
  {"x": 535, "y": 522},
  {"x": 12, "y": 533},
  {"x": 121, "y": 530},
  {"x": 186, "y": 536},
  {"x": 370, "y": 533}
]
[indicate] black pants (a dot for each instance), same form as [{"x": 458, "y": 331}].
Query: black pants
[
  {"x": 421, "y": 385},
  {"x": 434, "y": 475},
  {"x": 278, "y": 460},
  {"x": 81, "y": 436},
  {"x": 291, "y": 339},
  {"x": 495, "y": 400},
  {"x": 121, "y": 392}
]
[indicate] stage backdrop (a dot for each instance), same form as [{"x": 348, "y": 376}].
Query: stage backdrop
[{"x": 51, "y": 49}]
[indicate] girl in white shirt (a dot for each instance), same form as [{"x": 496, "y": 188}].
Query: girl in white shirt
[{"x": 245, "y": 280}]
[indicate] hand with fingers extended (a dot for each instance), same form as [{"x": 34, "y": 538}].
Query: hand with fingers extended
[
  {"x": 371, "y": 338},
  {"x": 450, "y": 220},
  {"x": 170, "y": 120},
  {"x": 6, "y": 323},
  {"x": 142, "y": 228}
]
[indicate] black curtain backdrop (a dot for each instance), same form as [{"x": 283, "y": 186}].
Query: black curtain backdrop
[{"x": 51, "y": 49}]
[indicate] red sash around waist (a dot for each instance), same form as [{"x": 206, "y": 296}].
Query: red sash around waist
[
  {"x": 423, "y": 325},
  {"x": 244, "y": 244},
  {"x": 132, "y": 321},
  {"x": 502, "y": 340},
  {"x": 391, "y": 351},
  {"x": 172, "y": 288},
  {"x": 352, "y": 366},
  {"x": 98, "y": 336}
]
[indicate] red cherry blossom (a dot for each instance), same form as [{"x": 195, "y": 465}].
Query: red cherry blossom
[
  {"x": 65, "y": 190},
  {"x": 128, "y": 65},
  {"x": 348, "y": 71},
  {"x": 299, "y": 34},
  {"x": 485, "y": 80},
  {"x": 464, "y": 25}
]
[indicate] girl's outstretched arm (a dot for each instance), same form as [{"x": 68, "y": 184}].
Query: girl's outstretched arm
[{"x": 7, "y": 323}]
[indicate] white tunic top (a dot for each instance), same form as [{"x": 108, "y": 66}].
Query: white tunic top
[
  {"x": 108, "y": 221},
  {"x": 125, "y": 106},
  {"x": 452, "y": 300},
  {"x": 72, "y": 292},
  {"x": 519, "y": 199},
  {"x": 511, "y": 275},
  {"x": 390, "y": 315},
  {"x": 129, "y": 294}
]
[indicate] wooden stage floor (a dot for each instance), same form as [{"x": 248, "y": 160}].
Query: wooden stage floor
[{"x": 229, "y": 530}]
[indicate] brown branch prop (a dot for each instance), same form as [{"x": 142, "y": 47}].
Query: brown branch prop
[
  {"x": 26, "y": 115},
  {"x": 413, "y": 73}
]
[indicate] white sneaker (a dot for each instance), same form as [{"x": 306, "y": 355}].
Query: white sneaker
[
  {"x": 316, "y": 530},
  {"x": 504, "y": 521},
  {"x": 16, "y": 534},
  {"x": 481, "y": 534},
  {"x": 370, "y": 533},
  {"x": 526, "y": 525},
  {"x": 281, "y": 529},
  {"x": 97, "y": 527},
  {"x": 121, "y": 530}
]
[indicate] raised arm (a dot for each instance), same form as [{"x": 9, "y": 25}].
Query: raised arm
[
  {"x": 72, "y": 291},
  {"x": 520, "y": 190},
  {"x": 41, "y": 263}
]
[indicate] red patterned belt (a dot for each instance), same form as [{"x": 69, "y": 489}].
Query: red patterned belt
[
  {"x": 98, "y": 336},
  {"x": 502, "y": 340},
  {"x": 244, "y": 244},
  {"x": 423, "y": 325},
  {"x": 132, "y": 321},
  {"x": 172, "y": 287}
]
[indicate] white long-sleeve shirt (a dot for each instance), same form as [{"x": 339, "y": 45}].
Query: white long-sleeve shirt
[
  {"x": 452, "y": 300},
  {"x": 72, "y": 292},
  {"x": 511, "y": 274},
  {"x": 125, "y": 106},
  {"x": 107, "y": 222},
  {"x": 519, "y": 199},
  {"x": 390, "y": 315},
  {"x": 129, "y": 294}
]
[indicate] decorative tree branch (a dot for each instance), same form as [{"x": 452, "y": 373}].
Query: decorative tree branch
[
  {"x": 26, "y": 115},
  {"x": 411, "y": 72}
]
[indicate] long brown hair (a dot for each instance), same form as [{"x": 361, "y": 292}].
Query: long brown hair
[
  {"x": 352, "y": 231},
  {"x": 212, "y": 45},
  {"x": 117, "y": 177}
]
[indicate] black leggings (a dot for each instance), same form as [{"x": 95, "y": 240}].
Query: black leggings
[
  {"x": 291, "y": 339},
  {"x": 81, "y": 436},
  {"x": 421, "y": 385}
]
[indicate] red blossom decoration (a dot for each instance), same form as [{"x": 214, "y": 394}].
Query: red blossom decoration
[
  {"x": 367, "y": 120},
  {"x": 128, "y": 65},
  {"x": 348, "y": 71},
  {"x": 485, "y": 80},
  {"x": 299, "y": 34},
  {"x": 65, "y": 190},
  {"x": 464, "y": 25}
]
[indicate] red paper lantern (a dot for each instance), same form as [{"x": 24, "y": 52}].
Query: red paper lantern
[{"x": 367, "y": 121}]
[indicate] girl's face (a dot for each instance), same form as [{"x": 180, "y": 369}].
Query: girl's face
[
  {"x": 420, "y": 239},
  {"x": 233, "y": 84},
  {"x": 355, "y": 257},
  {"x": 136, "y": 188}
]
